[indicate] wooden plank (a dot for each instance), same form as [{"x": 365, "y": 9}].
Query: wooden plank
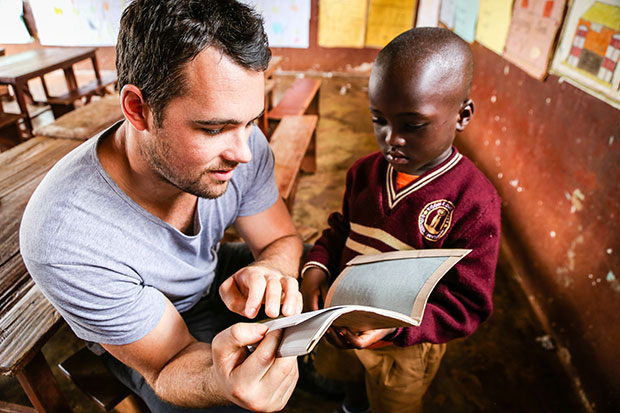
[
  {"x": 88, "y": 372},
  {"x": 7, "y": 119},
  {"x": 289, "y": 143},
  {"x": 91, "y": 88},
  {"x": 15, "y": 408},
  {"x": 14, "y": 283},
  {"x": 296, "y": 99},
  {"x": 29, "y": 160},
  {"x": 21, "y": 330},
  {"x": 41, "y": 387}
]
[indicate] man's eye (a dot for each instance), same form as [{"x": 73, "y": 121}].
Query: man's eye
[
  {"x": 212, "y": 131},
  {"x": 378, "y": 121}
]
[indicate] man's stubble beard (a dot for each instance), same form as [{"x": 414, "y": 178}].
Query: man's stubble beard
[{"x": 157, "y": 151}]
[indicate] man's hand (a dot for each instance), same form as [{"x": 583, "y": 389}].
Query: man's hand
[
  {"x": 314, "y": 285},
  {"x": 248, "y": 288},
  {"x": 342, "y": 337},
  {"x": 260, "y": 381}
]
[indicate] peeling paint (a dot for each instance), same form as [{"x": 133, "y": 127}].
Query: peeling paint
[
  {"x": 493, "y": 99},
  {"x": 609, "y": 251},
  {"x": 564, "y": 272},
  {"x": 552, "y": 234},
  {"x": 576, "y": 199},
  {"x": 500, "y": 175},
  {"x": 506, "y": 70},
  {"x": 613, "y": 281},
  {"x": 548, "y": 101},
  {"x": 546, "y": 342},
  {"x": 497, "y": 118},
  {"x": 611, "y": 140},
  {"x": 514, "y": 183}
]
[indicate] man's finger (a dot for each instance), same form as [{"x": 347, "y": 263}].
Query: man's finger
[
  {"x": 273, "y": 294},
  {"x": 255, "y": 286},
  {"x": 293, "y": 302},
  {"x": 227, "y": 345},
  {"x": 264, "y": 356},
  {"x": 231, "y": 296}
]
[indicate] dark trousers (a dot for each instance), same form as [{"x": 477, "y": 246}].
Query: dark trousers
[{"x": 207, "y": 318}]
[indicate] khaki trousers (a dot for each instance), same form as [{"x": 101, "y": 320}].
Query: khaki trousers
[{"x": 396, "y": 378}]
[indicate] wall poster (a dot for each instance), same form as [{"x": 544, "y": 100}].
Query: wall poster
[{"x": 589, "y": 48}]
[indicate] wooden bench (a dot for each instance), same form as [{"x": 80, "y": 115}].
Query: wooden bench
[
  {"x": 91, "y": 376},
  {"x": 290, "y": 142},
  {"x": 10, "y": 134},
  {"x": 27, "y": 319},
  {"x": 65, "y": 103},
  {"x": 302, "y": 97},
  {"x": 85, "y": 121}
]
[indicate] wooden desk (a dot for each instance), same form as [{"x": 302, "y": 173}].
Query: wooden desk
[
  {"x": 17, "y": 69},
  {"x": 27, "y": 319}
]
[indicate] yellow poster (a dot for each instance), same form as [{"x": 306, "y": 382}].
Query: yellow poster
[
  {"x": 342, "y": 23},
  {"x": 387, "y": 19},
  {"x": 493, "y": 23}
]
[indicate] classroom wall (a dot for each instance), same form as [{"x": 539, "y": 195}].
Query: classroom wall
[{"x": 553, "y": 153}]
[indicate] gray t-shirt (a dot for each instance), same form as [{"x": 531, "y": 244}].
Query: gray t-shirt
[{"x": 106, "y": 263}]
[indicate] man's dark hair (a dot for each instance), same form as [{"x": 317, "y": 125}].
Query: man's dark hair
[{"x": 158, "y": 38}]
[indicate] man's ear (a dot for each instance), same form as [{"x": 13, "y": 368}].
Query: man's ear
[
  {"x": 465, "y": 114},
  {"x": 134, "y": 107}
]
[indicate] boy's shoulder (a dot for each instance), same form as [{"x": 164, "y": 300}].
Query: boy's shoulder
[{"x": 472, "y": 180}]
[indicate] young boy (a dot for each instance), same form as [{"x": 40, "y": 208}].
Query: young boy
[{"x": 417, "y": 192}]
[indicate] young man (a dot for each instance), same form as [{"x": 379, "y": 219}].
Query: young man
[
  {"x": 416, "y": 192},
  {"x": 123, "y": 235}
]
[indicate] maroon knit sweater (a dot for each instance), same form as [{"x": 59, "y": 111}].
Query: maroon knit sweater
[{"x": 451, "y": 206}]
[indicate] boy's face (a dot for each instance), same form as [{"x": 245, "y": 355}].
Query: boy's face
[{"x": 415, "y": 113}]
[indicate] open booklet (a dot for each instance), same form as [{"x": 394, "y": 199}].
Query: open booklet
[{"x": 374, "y": 291}]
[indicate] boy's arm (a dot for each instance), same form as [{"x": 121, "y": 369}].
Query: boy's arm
[{"x": 463, "y": 297}]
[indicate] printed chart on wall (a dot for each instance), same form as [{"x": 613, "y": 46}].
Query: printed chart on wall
[
  {"x": 493, "y": 24},
  {"x": 589, "y": 48},
  {"x": 12, "y": 27},
  {"x": 77, "y": 22},
  {"x": 287, "y": 22},
  {"x": 387, "y": 19},
  {"x": 532, "y": 33},
  {"x": 342, "y": 23}
]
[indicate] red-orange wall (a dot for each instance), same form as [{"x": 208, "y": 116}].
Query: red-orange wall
[{"x": 553, "y": 153}]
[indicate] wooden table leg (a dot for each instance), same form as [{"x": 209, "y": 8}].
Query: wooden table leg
[
  {"x": 41, "y": 387},
  {"x": 19, "y": 90}
]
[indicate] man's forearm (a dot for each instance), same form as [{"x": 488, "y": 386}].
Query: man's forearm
[
  {"x": 283, "y": 254},
  {"x": 187, "y": 379}
]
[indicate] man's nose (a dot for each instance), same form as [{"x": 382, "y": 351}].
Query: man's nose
[{"x": 239, "y": 150}]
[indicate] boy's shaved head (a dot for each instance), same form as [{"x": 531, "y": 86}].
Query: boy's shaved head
[
  {"x": 431, "y": 49},
  {"x": 419, "y": 97}
]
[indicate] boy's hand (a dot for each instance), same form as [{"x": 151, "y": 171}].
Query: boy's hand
[
  {"x": 342, "y": 337},
  {"x": 314, "y": 285},
  {"x": 245, "y": 291}
]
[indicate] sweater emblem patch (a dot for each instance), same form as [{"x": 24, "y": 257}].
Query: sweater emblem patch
[{"x": 435, "y": 219}]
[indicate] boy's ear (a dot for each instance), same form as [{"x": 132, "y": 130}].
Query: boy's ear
[
  {"x": 134, "y": 107},
  {"x": 465, "y": 114}
]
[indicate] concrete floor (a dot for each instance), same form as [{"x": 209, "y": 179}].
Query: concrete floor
[{"x": 508, "y": 365}]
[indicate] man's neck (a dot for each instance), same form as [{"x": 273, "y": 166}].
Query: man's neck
[{"x": 120, "y": 156}]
